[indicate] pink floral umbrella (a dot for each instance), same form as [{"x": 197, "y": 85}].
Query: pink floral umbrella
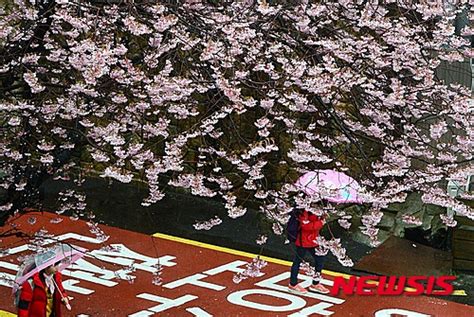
[
  {"x": 335, "y": 187},
  {"x": 62, "y": 253}
]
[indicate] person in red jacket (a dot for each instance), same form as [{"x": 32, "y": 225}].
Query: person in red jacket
[
  {"x": 45, "y": 297},
  {"x": 309, "y": 227}
]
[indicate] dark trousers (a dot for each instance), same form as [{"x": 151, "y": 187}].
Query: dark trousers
[{"x": 295, "y": 268}]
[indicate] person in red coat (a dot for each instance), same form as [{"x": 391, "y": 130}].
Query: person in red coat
[
  {"x": 309, "y": 227},
  {"x": 45, "y": 297}
]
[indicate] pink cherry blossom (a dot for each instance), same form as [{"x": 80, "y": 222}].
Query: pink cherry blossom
[{"x": 234, "y": 102}]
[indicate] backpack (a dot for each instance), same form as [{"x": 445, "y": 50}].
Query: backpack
[
  {"x": 17, "y": 294},
  {"x": 293, "y": 225}
]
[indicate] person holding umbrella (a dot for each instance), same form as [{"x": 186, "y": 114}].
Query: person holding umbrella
[
  {"x": 331, "y": 187},
  {"x": 305, "y": 242},
  {"x": 43, "y": 297},
  {"x": 38, "y": 285}
]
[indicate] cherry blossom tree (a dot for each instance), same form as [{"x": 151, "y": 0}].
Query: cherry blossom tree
[{"x": 234, "y": 100}]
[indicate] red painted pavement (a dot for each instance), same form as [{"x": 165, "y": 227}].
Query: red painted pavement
[{"x": 215, "y": 293}]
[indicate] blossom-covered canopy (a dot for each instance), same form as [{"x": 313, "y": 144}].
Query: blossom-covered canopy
[{"x": 234, "y": 99}]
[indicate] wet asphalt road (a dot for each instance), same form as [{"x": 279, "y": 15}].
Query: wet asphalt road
[{"x": 119, "y": 205}]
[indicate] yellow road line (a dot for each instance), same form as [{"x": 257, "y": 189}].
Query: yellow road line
[
  {"x": 266, "y": 258},
  {"x": 6, "y": 314},
  {"x": 236, "y": 252},
  {"x": 459, "y": 292}
]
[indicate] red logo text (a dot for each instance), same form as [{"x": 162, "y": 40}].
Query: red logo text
[{"x": 393, "y": 285}]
